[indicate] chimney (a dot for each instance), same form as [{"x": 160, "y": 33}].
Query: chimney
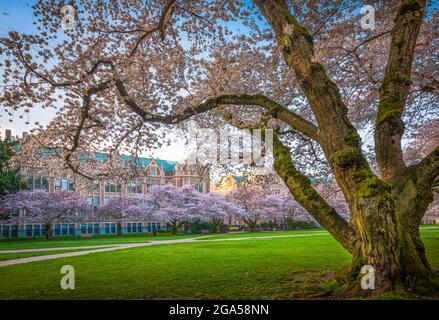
[
  {"x": 8, "y": 135},
  {"x": 24, "y": 134}
]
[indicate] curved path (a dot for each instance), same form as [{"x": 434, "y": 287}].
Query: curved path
[{"x": 114, "y": 247}]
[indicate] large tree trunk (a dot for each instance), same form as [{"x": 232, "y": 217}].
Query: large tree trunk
[
  {"x": 290, "y": 224},
  {"x": 217, "y": 224},
  {"x": 174, "y": 227},
  {"x": 383, "y": 231},
  {"x": 48, "y": 231},
  {"x": 119, "y": 229},
  {"x": 399, "y": 260},
  {"x": 252, "y": 224}
]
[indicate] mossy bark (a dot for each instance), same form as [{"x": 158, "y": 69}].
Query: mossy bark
[
  {"x": 381, "y": 232},
  {"x": 381, "y": 229}
]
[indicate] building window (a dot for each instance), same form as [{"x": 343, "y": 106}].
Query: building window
[
  {"x": 4, "y": 231},
  {"x": 94, "y": 202},
  {"x": 134, "y": 227},
  {"x": 37, "y": 230},
  {"x": 90, "y": 228},
  {"x": 152, "y": 171},
  {"x": 57, "y": 229},
  {"x": 134, "y": 187},
  {"x": 64, "y": 184},
  {"x": 64, "y": 229},
  {"x": 113, "y": 187},
  {"x": 110, "y": 228},
  {"x": 37, "y": 181},
  {"x": 7, "y": 231},
  {"x": 29, "y": 230}
]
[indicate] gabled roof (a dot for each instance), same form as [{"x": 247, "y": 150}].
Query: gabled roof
[{"x": 166, "y": 165}]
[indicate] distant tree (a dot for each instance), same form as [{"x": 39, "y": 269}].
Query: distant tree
[
  {"x": 44, "y": 207},
  {"x": 424, "y": 138},
  {"x": 287, "y": 210},
  {"x": 121, "y": 210},
  {"x": 254, "y": 206},
  {"x": 217, "y": 209},
  {"x": 175, "y": 206},
  {"x": 10, "y": 180}
]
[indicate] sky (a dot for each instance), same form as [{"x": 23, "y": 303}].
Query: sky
[{"x": 17, "y": 15}]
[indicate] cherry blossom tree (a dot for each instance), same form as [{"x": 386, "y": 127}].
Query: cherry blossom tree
[
  {"x": 175, "y": 206},
  {"x": 121, "y": 210},
  {"x": 254, "y": 206},
  {"x": 217, "y": 209},
  {"x": 307, "y": 69},
  {"x": 424, "y": 139},
  {"x": 287, "y": 210},
  {"x": 334, "y": 196},
  {"x": 45, "y": 207}
]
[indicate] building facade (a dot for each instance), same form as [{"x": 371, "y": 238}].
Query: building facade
[
  {"x": 230, "y": 182},
  {"x": 151, "y": 172}
]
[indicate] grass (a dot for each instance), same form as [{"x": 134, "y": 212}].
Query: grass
[
  {"x": 262, "y": 234},
  {"x": 277, "y": 268},
  {"x": 59, "y": 242},
  {"x": 12, "y": 256}
]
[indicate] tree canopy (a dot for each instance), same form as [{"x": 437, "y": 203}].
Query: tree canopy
[{"x": 10, "y": 180}]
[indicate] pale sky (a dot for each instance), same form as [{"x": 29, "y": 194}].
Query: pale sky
[{"x": 17, "y": 15}]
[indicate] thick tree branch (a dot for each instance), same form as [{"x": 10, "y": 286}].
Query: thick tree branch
[
  {"x": 395, "y": 88},
  {"x": 337, "y": 132},
  {"x": 427, "y": 170},
  {"x": 161, "y": 26},
  {"x": 274, "y": 109},
  {"x": 302, "y": 190}
]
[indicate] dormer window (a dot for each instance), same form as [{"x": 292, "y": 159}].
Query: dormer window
[{"x": 152, "y": 171}]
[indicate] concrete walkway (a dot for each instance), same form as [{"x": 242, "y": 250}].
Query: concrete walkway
[
  {"x": 57, "y": 249},
  {"x": 114, "y": 247}
]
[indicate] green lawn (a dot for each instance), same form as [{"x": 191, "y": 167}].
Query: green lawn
[
  {"x": 11, "y": 256},
  {"x": 279, "y": 268},
  {"x": 262, "y": 234},
  {"x": 17, "y": 244}
]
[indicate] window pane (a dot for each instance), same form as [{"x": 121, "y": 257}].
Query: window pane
[
  {"x": 37, "y": 230},
  {"x": 28, "y": 230},
  {"x": 71, "y": 229}
]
